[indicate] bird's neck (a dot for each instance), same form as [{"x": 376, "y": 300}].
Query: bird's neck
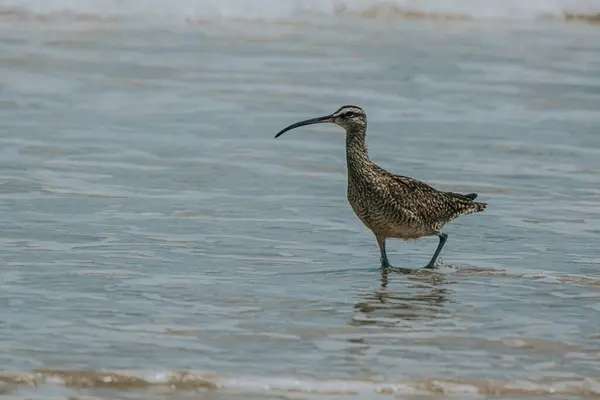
[{"x": 357, "y": 155}]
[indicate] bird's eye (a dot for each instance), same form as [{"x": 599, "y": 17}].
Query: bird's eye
[{"x": 350, "y": 114}]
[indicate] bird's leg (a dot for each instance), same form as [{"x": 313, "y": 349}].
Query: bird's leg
[
  {"x": 384, "y": 260},
  {"x": 443, "y": 237}
]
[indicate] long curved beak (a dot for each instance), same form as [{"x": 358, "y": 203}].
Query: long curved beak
[{"x": 319, "y": 120}]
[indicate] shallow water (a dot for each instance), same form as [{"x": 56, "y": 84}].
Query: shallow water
[{"x": 152, "y": 225}]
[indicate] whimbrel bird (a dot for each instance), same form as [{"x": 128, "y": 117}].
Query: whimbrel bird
[{"x": 392, "y": 206}]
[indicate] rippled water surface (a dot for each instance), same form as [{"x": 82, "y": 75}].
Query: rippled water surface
[{"x": 158, "y": 242}]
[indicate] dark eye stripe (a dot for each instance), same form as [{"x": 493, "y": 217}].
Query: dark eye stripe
[{"x": 349, "y": 114}]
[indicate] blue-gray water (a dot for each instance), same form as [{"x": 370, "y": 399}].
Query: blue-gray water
[{"x": 151, "y": 224}]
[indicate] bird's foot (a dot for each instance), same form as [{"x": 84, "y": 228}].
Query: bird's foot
[
  {"x": 387, "y": 267},
  {"x": 385, "y": 263},
  {"x": 431, "y": 266}
]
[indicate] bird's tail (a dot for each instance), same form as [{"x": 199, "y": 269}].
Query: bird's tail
[
  {"x": 470, "y": 197},
  {"x": 466, "y": 204},
  {"x": 473, "y": 196}
]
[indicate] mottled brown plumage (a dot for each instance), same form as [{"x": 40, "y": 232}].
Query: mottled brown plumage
[{"x": 392, "y": 206}]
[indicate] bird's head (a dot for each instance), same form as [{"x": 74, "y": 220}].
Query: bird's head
[{"x": 348, "y": 117}]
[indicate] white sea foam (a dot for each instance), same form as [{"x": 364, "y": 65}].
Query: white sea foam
[
  {"x": 573, "y": 387},
  {"x": 186, "y": 10}
]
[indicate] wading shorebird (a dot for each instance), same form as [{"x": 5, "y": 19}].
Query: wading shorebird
[{"x": 392, "y": 206}]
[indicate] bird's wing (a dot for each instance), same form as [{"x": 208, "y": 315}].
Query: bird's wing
[
  {"x": 468, "y": 196},
  {"x": 431, "y": 204}
]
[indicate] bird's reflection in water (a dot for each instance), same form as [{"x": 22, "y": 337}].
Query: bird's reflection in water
[{"x": 422, "y": 296}]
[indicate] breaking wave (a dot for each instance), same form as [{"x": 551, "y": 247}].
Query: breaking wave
[
  {"x": 195, "y": 10},
  {"x": 182, "y": 381}
]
